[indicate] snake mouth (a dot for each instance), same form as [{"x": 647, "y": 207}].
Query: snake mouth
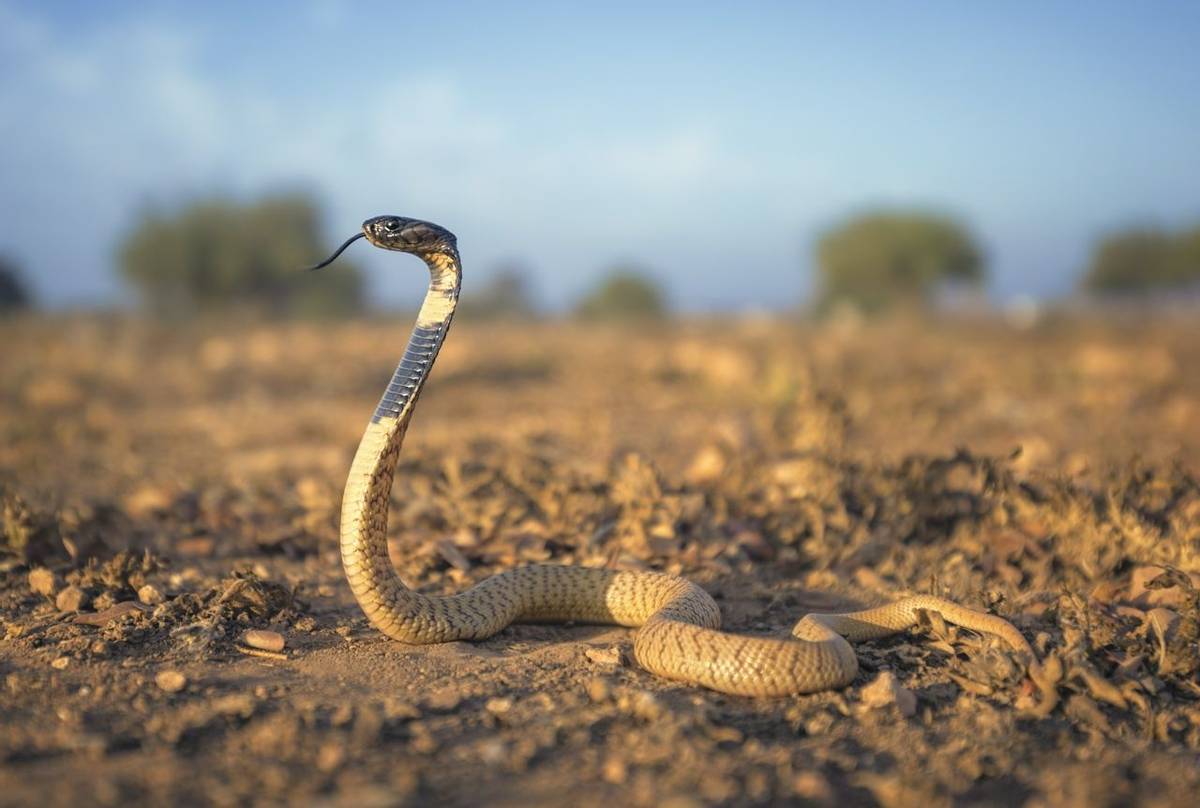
[{"x": 338, "y": 251}]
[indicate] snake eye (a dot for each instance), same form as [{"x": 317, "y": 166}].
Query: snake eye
[{"x": 393, "y": 225}]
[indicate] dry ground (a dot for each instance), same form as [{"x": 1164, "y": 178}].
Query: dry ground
[{"x": 1048, "y": 475}]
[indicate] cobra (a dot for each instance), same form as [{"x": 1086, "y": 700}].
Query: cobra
[{"x": 678, "y": 624}]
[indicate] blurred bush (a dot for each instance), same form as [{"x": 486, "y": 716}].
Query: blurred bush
[
  {"x": 222, "y": 255},
  {"x": 505, "y": 297},
  {"x": 625, "y": 293},
  {"x": 1142, "y": 261},
  {"x": 887, "y": 258},
  {"x": 14, "y": 295}
]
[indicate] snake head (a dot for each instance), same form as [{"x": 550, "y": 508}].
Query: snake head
[
  {"x": 403, "y": 235},
  {"x": 409, "y": 235}
]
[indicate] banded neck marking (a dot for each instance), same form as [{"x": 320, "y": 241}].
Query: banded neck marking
[{"x": 411, "y": 372}]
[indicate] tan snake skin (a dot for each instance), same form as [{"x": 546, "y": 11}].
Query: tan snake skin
[{"x": 679, "y": 636}]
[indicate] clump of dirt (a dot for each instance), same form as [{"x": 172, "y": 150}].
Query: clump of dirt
[
  {"x": 29, "y": 536},
  {"x": 117, "y": 578},
  {"x": 205, "y": 623}
]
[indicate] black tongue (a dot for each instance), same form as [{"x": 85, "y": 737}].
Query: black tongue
[{"x": 337, "y": 252}]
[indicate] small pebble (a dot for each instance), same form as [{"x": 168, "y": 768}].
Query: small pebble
[
  {"x": 150, "y": 595},
  {"x": 149, "y": 499},
  {"x": 818, "y": 725},
  {"x": 422, "y": 740},
  {"x": 264, "y": 640},
  {"x": 72, "y": 599},
  {"x": 885, "y": 690},
  {"x": 239, "y": 704},
  {"x": 43, "y": 581},
  {"x": 397, "y": 710},
  {"x": 493, "y": 751},
  {"x": 342, "y": 716},
  {"x": 615, "y": 771},
  {"x": 60, "y": 663},
  {"x": 445, "y": 698},
  {"x": 330, "y": 757},
  {"x": 170, "y": 681},
  {"x": 498, "y": 706},
  {"x": 812, "y": 786},
  {"x": 643, "y": 704},
  {"x": 707, "y": 465},
  {"x": 598, "y": 690}
]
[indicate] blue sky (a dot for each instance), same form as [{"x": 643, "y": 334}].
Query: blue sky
[{"x": 710, "y": 143}]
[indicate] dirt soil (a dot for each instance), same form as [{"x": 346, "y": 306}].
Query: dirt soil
[{"x": 165, "y": 489}]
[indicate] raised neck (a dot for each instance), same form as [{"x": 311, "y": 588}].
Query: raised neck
[{"x": 433, "y": 320}]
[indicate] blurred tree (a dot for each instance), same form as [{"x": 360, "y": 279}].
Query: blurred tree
[
  {"x": 1184, "y": 264},
  {"x": 1130, "y": 261},
  {"x": 14, "y": 296},
  {"x": 625, "y": 293},
  {"x": 219, "y": 254},
  {"x": 505, "y": 297},
  {"x": 880, "y": 259}
]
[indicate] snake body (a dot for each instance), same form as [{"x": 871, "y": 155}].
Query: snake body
[{"x": 678, "y": 634}]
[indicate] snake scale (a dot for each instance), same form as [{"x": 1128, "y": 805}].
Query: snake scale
[{"x": 678, "y": 634}]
